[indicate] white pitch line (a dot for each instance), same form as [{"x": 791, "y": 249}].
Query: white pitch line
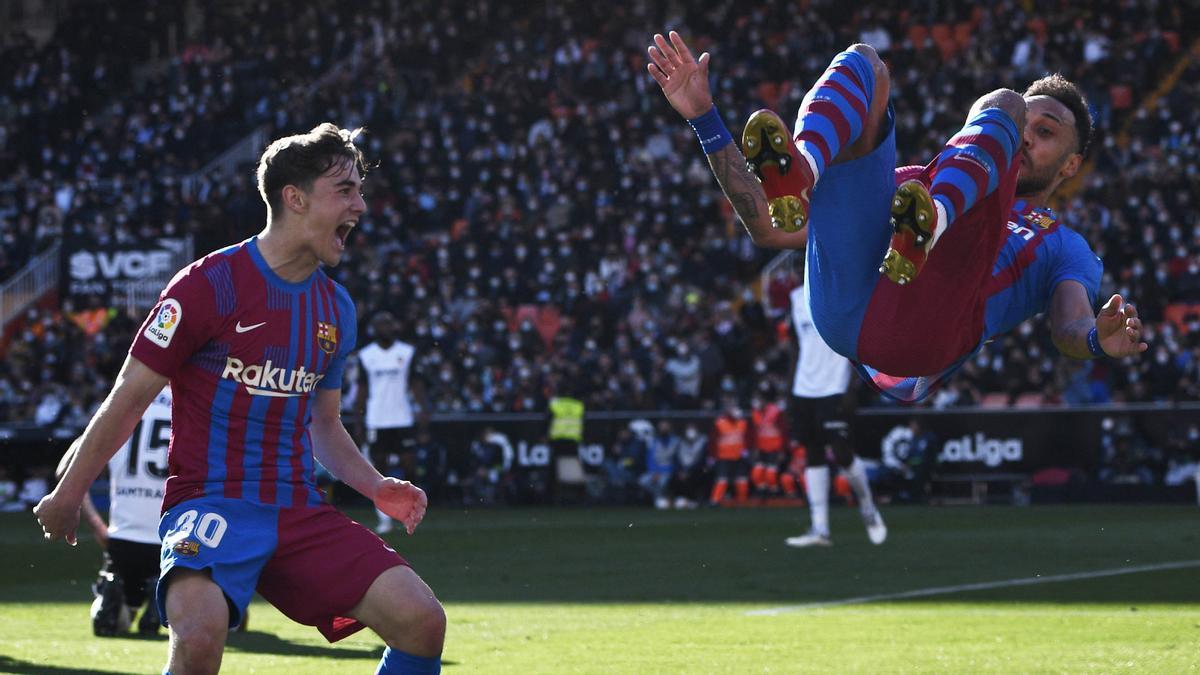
[{"x": 982, "y": 586}]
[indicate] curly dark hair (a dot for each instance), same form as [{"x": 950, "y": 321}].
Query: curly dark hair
[
  {"x": 301, "y": 159},
  {"x": 1065, "y": 92}
]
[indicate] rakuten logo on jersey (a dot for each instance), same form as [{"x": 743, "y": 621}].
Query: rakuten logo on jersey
[
  {"x": 267, "y": 380},
  {"x": 990, "y": 451}
]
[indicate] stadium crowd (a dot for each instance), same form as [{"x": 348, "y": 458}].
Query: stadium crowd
[{"x": 539, "y": 221}]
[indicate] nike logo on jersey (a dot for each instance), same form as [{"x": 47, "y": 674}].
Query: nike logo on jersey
[{"x": 246, "y": 329}]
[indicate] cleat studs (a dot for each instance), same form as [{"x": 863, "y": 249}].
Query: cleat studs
[
  {"x": 750, "y": 143},
  {"x": 778, "y": 140}
]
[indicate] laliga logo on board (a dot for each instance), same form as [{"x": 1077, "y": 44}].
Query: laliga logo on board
[
  {"x": 162, "y": 326},
  {"x": 990, "y": 451}
]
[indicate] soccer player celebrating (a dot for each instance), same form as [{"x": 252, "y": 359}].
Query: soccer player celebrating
[
  {"x": 253, "y": 339},
  {"x": 909, "y": 271}
]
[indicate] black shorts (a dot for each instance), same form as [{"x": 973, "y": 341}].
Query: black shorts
[
  {"x": 135, "y": 563},
  {"x": 391, "y": 439},
  {"x": 817, "y": 422}
]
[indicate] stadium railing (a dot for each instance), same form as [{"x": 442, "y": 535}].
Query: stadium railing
[
  {"x": 242, "y": 152},
  {"x": 28, "y": 285}
]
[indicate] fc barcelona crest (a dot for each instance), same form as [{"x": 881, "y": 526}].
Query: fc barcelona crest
[
  {"x": 326, "y": 337},
  {"x": 1040, "y": 218}
]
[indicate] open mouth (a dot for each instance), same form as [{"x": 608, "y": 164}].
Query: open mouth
[{"x": 343, "y": 232}]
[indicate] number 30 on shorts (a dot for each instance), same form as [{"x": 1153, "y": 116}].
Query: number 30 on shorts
[{"x": 208, "y": 528}]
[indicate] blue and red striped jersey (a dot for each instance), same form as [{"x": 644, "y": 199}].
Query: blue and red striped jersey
[
  {"x": 1037, "y": 254},
  {"x": 245, "y": 352}
]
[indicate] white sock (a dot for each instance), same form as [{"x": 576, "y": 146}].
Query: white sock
[
  {"x": 383, "y": 517},
  {"x": 809, "y": 160},
  {"x": 856, "y": 475},
  {"x": 816, "y": 486},
  {"x": 939, "y": 228}
]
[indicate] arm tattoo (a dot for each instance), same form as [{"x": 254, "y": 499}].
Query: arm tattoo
[{"x": 741, "y": 188}]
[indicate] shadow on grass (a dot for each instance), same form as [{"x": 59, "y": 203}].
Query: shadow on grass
[
  {"x": 261, "y": 642},
  {"x": 11, "y": 665}
]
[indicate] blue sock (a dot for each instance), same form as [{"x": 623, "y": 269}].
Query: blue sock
[
  {"x": 396, "y": 662},
  {"x": 973, "y": 161},
  {"x": 834, "y": 111}
]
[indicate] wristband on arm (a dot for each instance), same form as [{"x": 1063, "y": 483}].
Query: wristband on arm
[
  {"x": 1093, "y": 343},
  {"x": 711, "y": 131}
]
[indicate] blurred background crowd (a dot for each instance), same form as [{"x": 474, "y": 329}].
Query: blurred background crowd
[{"x": 540, "y": 220}]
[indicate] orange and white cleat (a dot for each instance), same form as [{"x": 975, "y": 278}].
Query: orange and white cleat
[
  {"x": 913, "y": 221},
  {"x": 786, "y": 177}
]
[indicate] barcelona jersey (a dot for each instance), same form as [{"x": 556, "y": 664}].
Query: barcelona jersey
[
  {"x": 245, "y": 352},
  {"x": 1036, "y": 255}
]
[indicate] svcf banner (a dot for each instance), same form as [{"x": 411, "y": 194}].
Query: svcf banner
[{"x": 110, "y": 271}]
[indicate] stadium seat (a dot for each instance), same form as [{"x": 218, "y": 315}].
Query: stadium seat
[
  {"x": 1029, "y": 400},
  {"x": 994, "y": 400}
]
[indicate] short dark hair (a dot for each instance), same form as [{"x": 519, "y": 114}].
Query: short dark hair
[
  {"x": 1065, "y": 92},
  {"x": 301, "y": 159}
]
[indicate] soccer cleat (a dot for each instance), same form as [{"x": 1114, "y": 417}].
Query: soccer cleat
[
  {"x": 913, "y": 221},
  {"x": 109, "y": 614},
  {"x": 786, "y": 176},
  {"x": 876, "y": 529},
  {"x": 812, "y": 538}
]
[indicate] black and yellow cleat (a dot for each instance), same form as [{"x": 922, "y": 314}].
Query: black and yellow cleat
[
  {"x": 913, "y": 221},
  {"x": 786, "y": 177}
]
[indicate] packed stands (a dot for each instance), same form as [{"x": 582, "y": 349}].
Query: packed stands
[{"x": 539, "y": 217}]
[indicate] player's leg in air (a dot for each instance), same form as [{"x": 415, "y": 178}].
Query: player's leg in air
[
  {"x": 842, "y": 117},
  {"x": 968, "y": 169},
  {"x": 841, "y": 171},
  {"x": 846, "y": 185}
]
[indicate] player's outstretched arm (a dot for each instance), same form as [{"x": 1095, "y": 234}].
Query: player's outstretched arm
[
  {"x": 749, "y": 202},
  {"x": 336, "y": 451},
  {"x": 684, "y": 83},
  {"x": 135, "y": 388},
  {"x": 1115, "y": 332}
]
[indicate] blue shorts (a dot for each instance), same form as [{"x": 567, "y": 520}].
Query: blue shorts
[
  {"x": 276, "y": 551},
  {"x": 849, "y": 230}
]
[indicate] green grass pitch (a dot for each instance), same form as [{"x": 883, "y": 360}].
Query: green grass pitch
[{"x": 640, "y": 591}]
